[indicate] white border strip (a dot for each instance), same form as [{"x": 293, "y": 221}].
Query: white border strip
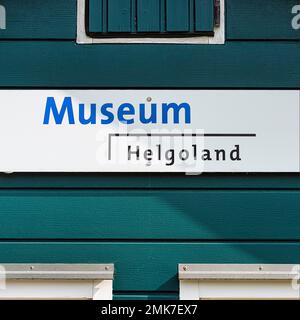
[
  {"x": 57, "y": 271},
  {"x": 238, "y": 271}
]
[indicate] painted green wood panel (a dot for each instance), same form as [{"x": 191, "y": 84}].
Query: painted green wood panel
[
  {"x": 177, "y": 15},
  {"x": 34, "y": 19},
  {"x": 148, "y": 15},
  {"x": 150, "y": 266},
  {"x": 56, "y": 19},
  {"x": 256, "y": 19},
  {"x": 135, "y": 17},
  {"x": 82, "y": 214},
  {"x": 163, "y": 22},
  {"x": 150, "y": 181},
  {"x": 235, "y": 64},
  {"x": 95, "y": 16},
  {"x": 104, "y": 15},
  {"x": 204, "y": 15},
  {"x": 119, "y": 15}
]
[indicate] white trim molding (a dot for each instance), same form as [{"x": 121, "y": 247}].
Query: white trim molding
[
  {"x": 239, "y": 281},
  {"x": 57, "y": 281},
  {"x": 83, "y": 38}
]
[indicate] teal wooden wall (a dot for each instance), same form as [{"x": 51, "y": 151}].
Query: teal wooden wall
[{"x": 147, "y": 224}]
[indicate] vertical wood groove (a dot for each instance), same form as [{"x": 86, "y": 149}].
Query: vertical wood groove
[
  {"x": 104, "y": 15},
  {"x": 134, "y": 16}
]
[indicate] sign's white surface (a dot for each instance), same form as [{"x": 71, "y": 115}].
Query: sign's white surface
[{"x": 149, "y": 131}]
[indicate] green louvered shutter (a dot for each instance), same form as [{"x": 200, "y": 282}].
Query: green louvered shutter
[{"x": 155, "y": 18}]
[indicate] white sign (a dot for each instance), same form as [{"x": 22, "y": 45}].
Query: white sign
[{"x": 149, "y": 131}]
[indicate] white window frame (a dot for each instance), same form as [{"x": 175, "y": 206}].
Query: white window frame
[
  {"x": 83, "y": 38},
  {"x": 239, "y": 281},
  {"x": 56, "y": 281}
]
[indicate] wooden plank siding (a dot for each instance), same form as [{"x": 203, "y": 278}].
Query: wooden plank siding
[
  {"x": 148, "y": 266},
  {"x": 56, "y": 19},
  {"x": 252, "y": 181},
  {"x": 244, "y": 64},
  {"x": 38, "y": 19},
  {"x": 148, "y": 223},
  {"x": 264, "y": 20},
  {"x": 175, "y": 215}
]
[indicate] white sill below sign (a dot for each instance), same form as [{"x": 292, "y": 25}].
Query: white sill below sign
[{"x": 149, "y": 131}]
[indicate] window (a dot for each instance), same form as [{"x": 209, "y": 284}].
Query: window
[
  {"x": 56, "y": 281},
  {"x": 226, "y": 281},
  {"x": 150, "y": 21}
]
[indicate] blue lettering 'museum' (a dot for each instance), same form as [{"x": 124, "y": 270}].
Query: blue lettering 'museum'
[{"x": 126, "y": 113}]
